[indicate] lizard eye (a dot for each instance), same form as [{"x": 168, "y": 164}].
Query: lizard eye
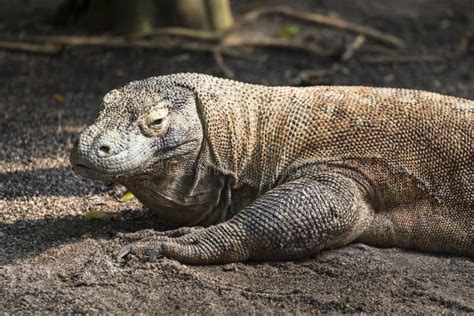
[{"x": 156, "y": 121}]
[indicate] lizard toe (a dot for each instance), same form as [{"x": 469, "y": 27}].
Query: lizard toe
[
  {"x": 156, "y": 253},
  {"x": 151, "y": 248},
  {"x": 124, "y": 251}
]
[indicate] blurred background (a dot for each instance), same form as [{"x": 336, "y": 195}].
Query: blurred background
[
  {"x": 58, "y": 58},
  {"x": 410, "y": 43}
]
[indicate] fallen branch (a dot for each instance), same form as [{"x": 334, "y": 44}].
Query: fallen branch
[
  {"x": 281, "y": 43},
  {"x": 331, "y": 21},
  {"x": 54, "y": 44},
  {"x": 72, "y": 40},
  {"x": 50, "y": 49},
  {"x": 201, "y": 35},
  {"x": 205, "y": 41},
  {"x": 267, "y": 42},
  {"x": 364, "y": 31}
]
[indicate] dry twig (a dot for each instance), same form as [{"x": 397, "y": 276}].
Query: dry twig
[
  {"x": 281, "y": 43},
  {"x": 49, "y": 49},
  {"x": 356, "y": 44},
  {"x": 266, "y": 42},
  {"x": 183, "y": 32}
]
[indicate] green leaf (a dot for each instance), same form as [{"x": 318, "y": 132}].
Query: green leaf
[{"x": 289, "y": 30}]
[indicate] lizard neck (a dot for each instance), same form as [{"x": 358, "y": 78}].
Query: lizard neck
[
  {"x": 185, "y": 192},
  {"x": 230, "y": 120},
  {"x": 231, "y": 128}
]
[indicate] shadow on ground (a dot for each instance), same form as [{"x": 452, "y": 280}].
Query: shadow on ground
[
  {"x": 26, "y": 239},
  {"x": 43, "y": 182}
]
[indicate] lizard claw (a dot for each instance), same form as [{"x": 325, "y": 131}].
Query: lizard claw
[
  {"x": 124, "y": 251},
  {"x": 156, "y": 253},
  {"x": 156, "y": 244},
  {"x": 155, "y": 250}
]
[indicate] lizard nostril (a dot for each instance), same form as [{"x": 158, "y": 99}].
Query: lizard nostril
[{"x": 104, "y": 150}]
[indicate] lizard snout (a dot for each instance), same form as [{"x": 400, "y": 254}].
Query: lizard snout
[
  {"x": 101, "y": 153},
  {"x": 95, "y": 151}
]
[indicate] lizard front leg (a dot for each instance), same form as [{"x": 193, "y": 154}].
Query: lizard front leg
[{"x": 295, "y": 219}]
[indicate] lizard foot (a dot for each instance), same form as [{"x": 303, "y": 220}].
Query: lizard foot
[
  {"x": 156, "y": 244},
  {"x": 153, "y": 247}
]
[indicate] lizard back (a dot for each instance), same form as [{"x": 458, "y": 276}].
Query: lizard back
[{"x": 261, "y": 134}]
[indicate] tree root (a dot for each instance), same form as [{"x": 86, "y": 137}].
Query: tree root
[
  {"x": 320, "y": 19},
  {"x": 182, "y": 32},
  {"x": 268, "y": 42},
  {"x": 232, "y": 41},
  {"x": 45, "y": 48},
  {"x": 55, "y": 44},
  {"x": 227, "y": 43}
]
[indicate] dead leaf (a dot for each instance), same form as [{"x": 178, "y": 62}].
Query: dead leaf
[
  {"x": 289, "y": 31},
  {"x": 127, "y": 196},
  {"x": 101, "y": 215},
  {"x": 57, "y": 98}
]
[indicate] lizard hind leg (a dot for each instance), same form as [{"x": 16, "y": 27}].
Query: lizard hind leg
[{"x": 423, "y": 225}]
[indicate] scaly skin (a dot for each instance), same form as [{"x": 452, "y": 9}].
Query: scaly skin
[{"x": 272, "y": 173}]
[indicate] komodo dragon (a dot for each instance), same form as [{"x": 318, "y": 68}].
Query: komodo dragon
[{"x": 248, "y": 172}]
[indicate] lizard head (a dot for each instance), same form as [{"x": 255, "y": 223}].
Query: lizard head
[{"x": 139, "y": 128}]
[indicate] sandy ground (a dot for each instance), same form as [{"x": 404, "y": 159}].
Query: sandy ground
[{"x": 54, "y": 260}]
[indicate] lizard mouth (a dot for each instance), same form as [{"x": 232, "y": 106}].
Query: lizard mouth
[
  {"x": 82, "y": 168},
  {"x": 89, "y": 172}
]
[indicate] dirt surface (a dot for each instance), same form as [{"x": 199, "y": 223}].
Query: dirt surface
[{"x": 54, "y": 260}]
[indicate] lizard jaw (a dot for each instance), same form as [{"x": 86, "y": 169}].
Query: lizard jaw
[
  {"x": 86, "y": 168},
  {"x": 81, "y": 167}
]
